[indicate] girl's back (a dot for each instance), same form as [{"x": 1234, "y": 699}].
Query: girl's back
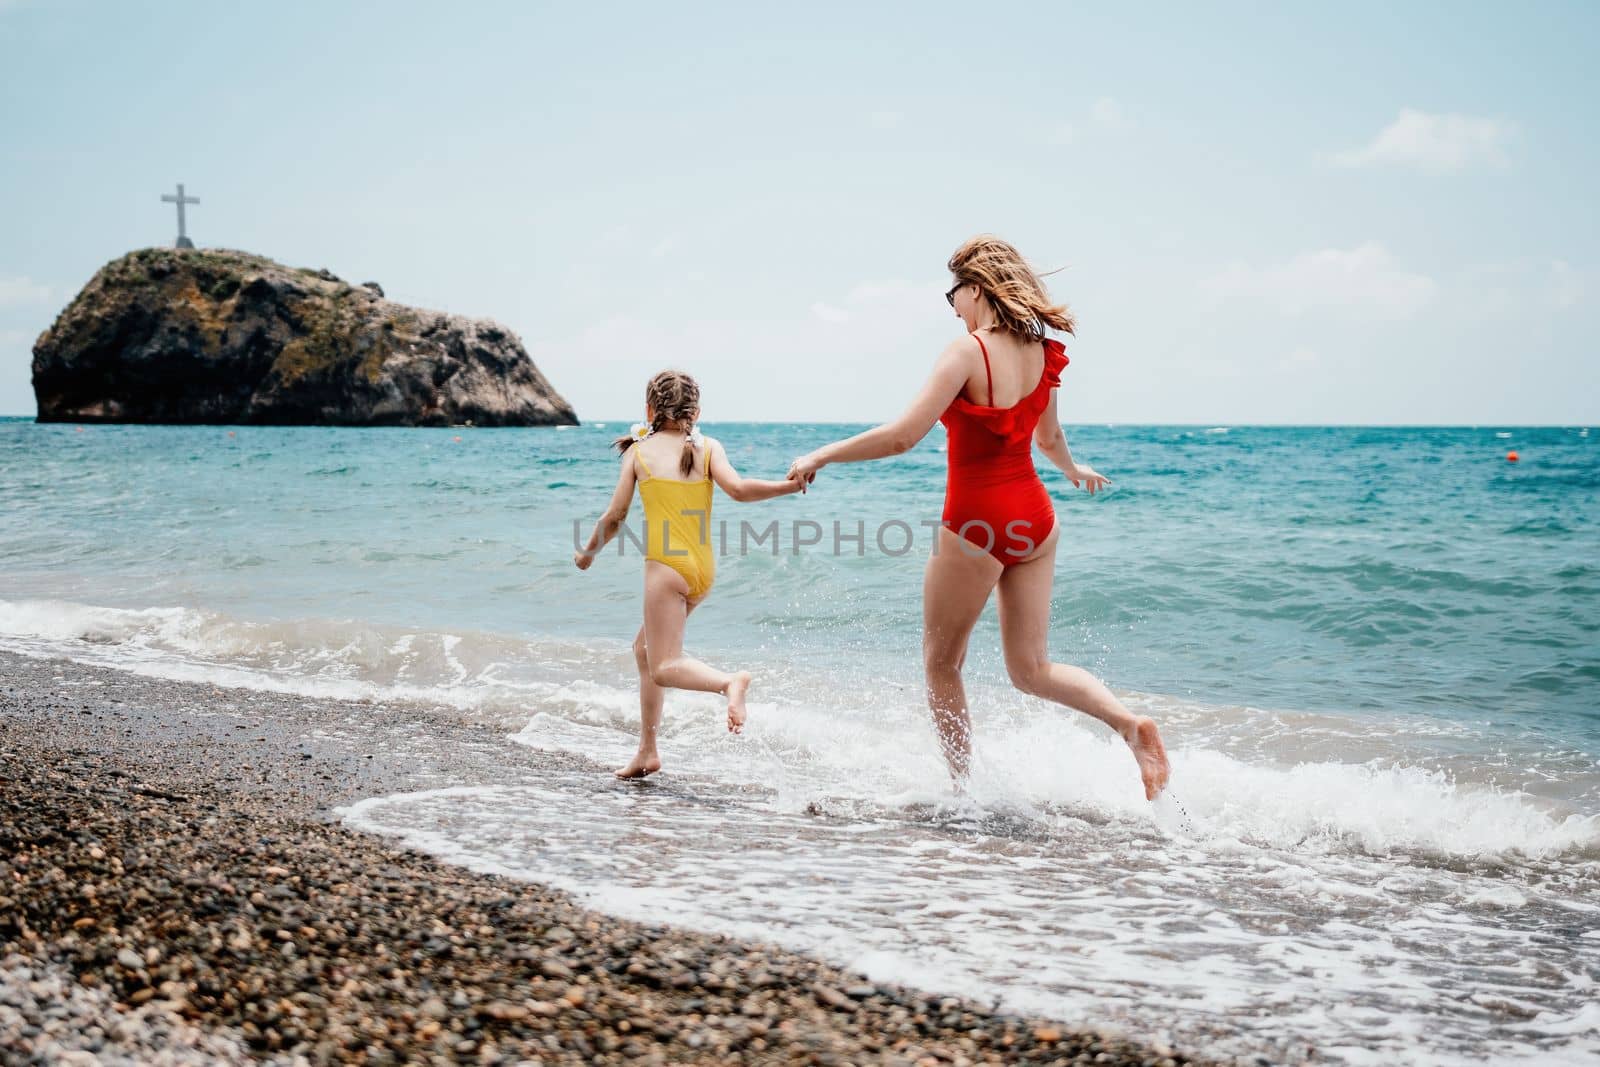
[{"x": 663, "y": 453}]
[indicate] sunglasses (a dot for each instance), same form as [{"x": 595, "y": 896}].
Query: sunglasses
[{"x": 950, "y": 297}]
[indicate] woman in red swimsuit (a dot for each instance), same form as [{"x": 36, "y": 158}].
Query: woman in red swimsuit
[{"x": 995, "y": 391}]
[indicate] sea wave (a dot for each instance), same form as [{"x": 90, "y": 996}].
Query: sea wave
[{"x": 1314, "y": 783}]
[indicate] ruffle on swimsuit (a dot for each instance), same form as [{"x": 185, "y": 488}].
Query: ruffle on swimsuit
[{"x": 1020, "y": 419}]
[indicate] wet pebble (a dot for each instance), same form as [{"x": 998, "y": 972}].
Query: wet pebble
[{"x": 233, "y": 922}]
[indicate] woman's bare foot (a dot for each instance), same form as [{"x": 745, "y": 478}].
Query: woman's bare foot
[
  {"x": 640, "y": 766},
  {"x": 1151, "y": 754},
  {"x": 736, "y": 693}
]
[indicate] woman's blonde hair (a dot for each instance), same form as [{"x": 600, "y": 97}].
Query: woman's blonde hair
[
  {"x": 674, "y": 398},
  {"x": 1021, "y": 304}
]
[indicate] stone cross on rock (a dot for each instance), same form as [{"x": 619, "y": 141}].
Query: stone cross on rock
[{"x": 180, "y": 200}]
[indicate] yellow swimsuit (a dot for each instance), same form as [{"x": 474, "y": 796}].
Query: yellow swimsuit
[{"x": 681, "y": 511}]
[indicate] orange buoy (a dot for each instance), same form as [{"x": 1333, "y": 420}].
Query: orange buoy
[
  {"x": 231, "y": 433},
  {"x": 1511, "y": 457},
  {"x": 456, "y": 439}
]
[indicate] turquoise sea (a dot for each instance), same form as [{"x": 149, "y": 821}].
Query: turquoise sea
[{"x": 1375, "y": 654}]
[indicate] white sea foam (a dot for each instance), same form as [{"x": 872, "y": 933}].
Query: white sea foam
[
  {"x": 869, "y": 753},
  {"x": 1381, "y": 908},
  {"x": 320, "y": 658},
  {"x": 1367, "y": 959}
]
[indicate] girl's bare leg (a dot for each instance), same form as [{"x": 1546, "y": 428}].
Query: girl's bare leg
[
  {"x": 1024, "y": 629},
  {"x": 666, "y": 609},
  {"x": 955, "y": 587},
  {"x": 651, "y": 697}
]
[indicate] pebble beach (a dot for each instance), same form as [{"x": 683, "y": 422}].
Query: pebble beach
[{"x": 174, "y": 889}]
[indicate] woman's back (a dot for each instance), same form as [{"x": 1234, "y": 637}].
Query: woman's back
[
  {"x": 996, "y": 412},
  {"x": 1014, "y": 366}
]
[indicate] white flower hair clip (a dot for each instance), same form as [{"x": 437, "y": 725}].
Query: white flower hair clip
[{"x": 641, "y": 430}]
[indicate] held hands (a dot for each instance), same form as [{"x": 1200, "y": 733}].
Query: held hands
[
  {"x": 804, "y": 470},
  {"x": 1084, "y": 476}
]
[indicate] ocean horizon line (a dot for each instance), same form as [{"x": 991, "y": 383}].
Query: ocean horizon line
[{"x": 1111, "y": 424}]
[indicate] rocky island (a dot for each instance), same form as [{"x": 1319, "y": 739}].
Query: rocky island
[{"x": 215, "y": 336}]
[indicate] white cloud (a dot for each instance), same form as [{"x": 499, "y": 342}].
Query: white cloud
[
  {"x": 1108, "y": 113},
  {"x": 1439, "y": 143},
  {"x": 618, "y": 234},
  {"x": 891, "y": 292},
  {"x": 880, "y": 303},
  {"x": 662, "y": 247},
  {"x": 1365, "y": 277},
  {"x": 1214, "y": 369},
  {"x": 1301, "y": 357},
  {"x": 762, "y": 365},
  {"x": 1104, "y": 115},
  {"x": 884, "y": 307},
  {"x": 1566, "y": 285},
  {"x": 16, "y": 291},
  {"x": 9, "y": 338},
  {"x": 885, "y": 120},
  {"x": 1515, "y": 287}
]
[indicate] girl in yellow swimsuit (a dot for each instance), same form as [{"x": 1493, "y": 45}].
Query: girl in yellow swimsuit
[{"x": 674, "y": 466}]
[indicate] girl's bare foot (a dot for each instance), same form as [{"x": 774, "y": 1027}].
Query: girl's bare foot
[
  {"x": 736, "y": 693},
  {"x": 640, "y": 766},
  {"x": 1151, "y": 754}
]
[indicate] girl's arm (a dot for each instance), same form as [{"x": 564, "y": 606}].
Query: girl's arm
[
  {"x": 892, "y": 438},
  {"x": 612, "y": 518},
  {"x": 1052, "y": 441},
  {"x": 746, "y": 490}
]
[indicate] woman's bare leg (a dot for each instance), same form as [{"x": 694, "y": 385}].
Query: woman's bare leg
[
  {"x": 955, "y": 587},
  {"x": 666, "y": 609},
  {"x": 1024, "y": 630}
]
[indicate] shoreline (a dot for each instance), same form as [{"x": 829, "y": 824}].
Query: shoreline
[{"x": 179, "y": 890}]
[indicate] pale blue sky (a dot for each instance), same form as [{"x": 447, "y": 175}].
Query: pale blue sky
[{"x": 1319, "y": 213}]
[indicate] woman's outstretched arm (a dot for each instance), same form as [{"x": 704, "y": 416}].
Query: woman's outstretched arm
[
  {"x": 1052, "y": 441},
  {"x": 892, "y": 438}
]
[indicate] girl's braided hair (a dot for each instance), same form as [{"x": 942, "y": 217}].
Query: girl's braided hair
[{"x": 674, "y": 399}]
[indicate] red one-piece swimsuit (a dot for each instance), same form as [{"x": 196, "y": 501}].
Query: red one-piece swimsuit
[{"x": 993, "y": 496}]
